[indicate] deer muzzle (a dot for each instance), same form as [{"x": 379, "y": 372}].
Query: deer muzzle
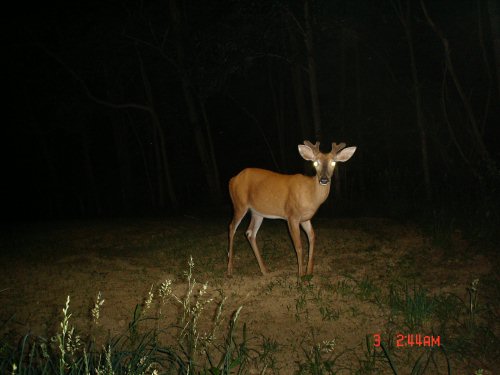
[{"x": 323, "y": 180}]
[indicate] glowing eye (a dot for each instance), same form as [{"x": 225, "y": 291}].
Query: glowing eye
[
  {"x": 332, "y": 163},
  {"x": 316, "y": 163}
]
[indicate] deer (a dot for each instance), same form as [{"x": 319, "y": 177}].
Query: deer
[{"x": 294, "y": 198}]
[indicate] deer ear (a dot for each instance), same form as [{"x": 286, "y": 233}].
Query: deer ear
[
  {"x": 306, "y": 152},
  {"x": 345, "y": 154}
]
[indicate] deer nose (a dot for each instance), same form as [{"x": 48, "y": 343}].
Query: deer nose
[{"x": 324, "y": 180}]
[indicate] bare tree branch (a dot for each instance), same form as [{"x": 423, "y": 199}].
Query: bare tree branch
[
  {"x": 476, "y": 135},
  {"x": 86, "y": 89}
]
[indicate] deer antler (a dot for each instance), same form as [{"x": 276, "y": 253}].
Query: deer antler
[
  {"x": 314, "y": 147},
  {"x": 337, "y": 147}
]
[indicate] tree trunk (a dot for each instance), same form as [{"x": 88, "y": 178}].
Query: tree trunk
[
  {"x": 421, "y": 125},
  {"x": 493, "y": 9},
  {"x": 160, "y": 186},
  {"x": 406, "y": 18},
  {"x": 206, "y": 158},
  {"x": 163, "y": 159},
  {"x": 311, "y": 64},
  {"x": 342, "y": 101},
  {"x": 120, "y": 132},
  {"x": 279, "y": 115},
  {"x": 165, "y": 177},
  {"x": 476, "y": 137},
  {"x": 209, "y": 166},
  {"x": 211, "y": 151},
  {"x": 298, "y": 88},
  {"x": 359, "y": 117},
  {"x": 146, "y": 163},
  {"x": 343, "y": 79},
  {"x": 53, "y": 193},
  {"x": 93, "y": 202}
]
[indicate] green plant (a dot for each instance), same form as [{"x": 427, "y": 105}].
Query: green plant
[
  {"x": 368, "y": 363},
  {"x": 426, "y": 360},
  {"x": 267, "y": 358},
  {"x": 413, "y": 304},
  {"x": 304, "y": 290},
  {"x": 301, "y": 307},
  {"x": 345, "y": 287},
  {"x": 472, "y": 292},
  {"x": 67, "y": 341},
  {"x": 329, "y": 314},
  {"x": 441, "y": 226},
  {"x": 140, "y": 350},
  {"x": 319, "y": 359},
  {"x": 471, "y": 329},
  {"x": 366, "y": 289},
  {"x": 234, "y": 355}
]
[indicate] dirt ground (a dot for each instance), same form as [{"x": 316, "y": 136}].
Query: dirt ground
[{"x": 356, "y": 261}]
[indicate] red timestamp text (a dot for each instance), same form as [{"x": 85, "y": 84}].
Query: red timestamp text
[{"x": 403, "y": 340}]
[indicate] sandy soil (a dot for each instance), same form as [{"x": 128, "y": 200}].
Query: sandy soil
[{"x": 41, "y": 264}]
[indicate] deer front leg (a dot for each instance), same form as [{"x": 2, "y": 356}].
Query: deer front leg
[
  {"x": 307, "y": 226},
  {"x": 293, "y": 226}
]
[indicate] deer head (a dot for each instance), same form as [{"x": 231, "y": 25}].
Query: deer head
[{"x": 324, "y": 164}]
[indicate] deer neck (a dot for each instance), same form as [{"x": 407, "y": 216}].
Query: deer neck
[{"x": 320, "y": 191}]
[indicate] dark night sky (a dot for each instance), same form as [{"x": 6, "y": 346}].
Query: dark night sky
[{"x": 69, "y": 156}]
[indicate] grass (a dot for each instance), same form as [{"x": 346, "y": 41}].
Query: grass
[
  {"x": 141, "y": 349},
  {"x": 467, "y": 324},
  {"x": 318, "y": 359},
  {"x": 412, "y": 303}
]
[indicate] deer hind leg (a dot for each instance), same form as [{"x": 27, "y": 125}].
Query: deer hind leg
[
  {"x": 238, "y": 216},
  {"x": 306, "y": 225},
  {"x": 251, "y": 234},
  {"x": 294, "y": 229}
]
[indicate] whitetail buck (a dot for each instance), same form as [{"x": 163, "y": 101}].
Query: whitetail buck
[{"x": 294, "y": 198}]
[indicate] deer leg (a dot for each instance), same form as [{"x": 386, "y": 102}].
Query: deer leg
[
  {"x": 293, "y": 227},
  {"x": 238, "y": 216},
  {"x": 251, "y": 233},
  {"x": 306, "y": 225}
]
